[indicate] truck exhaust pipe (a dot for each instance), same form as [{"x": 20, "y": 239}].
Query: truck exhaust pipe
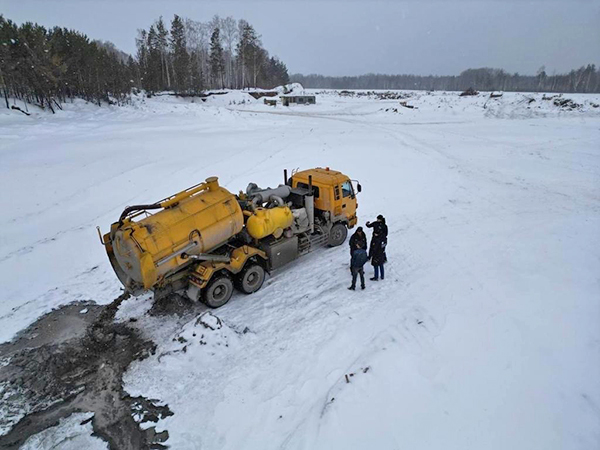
[{"x": 309, "y": 204}]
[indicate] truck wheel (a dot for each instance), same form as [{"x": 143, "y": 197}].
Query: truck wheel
[
  {"x": 251, "y": 279},
  {"x": 338, "y": 235},
  {"x": 218, "y": 292}
]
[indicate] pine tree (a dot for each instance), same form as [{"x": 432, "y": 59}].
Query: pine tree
[
  {"x": 162, "y": 40},
  {"x": 197, "y": 75},
  {"x": 141, "y": 43},
  {"x": 248, "y": 54},
  {"x": 154, "y": 62},
  {"x": 217, "y": 64},
  {"x": 181, "y": 58}
]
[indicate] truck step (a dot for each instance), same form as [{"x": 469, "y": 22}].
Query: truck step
[{"x": 307, "y": 244}]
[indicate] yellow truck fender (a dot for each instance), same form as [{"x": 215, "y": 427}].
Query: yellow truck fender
[{"x": 204, "y": 271}]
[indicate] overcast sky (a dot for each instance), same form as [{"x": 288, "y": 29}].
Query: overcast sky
[{"x": 362, "y": 36}]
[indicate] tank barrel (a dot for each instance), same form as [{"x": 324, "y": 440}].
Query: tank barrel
[{"x": 150, "y": 249}]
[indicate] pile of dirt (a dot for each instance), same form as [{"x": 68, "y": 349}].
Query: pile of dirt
[
  {"x": 49, "y": 378},
  {"x": 174, "y": 304}
]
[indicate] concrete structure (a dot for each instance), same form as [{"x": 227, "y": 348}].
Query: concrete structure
[{"x": 287, "y": 100}]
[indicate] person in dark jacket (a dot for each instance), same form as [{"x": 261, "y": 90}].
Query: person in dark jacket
[
  {"x": 380, "y": 229},
  {"x": 378, "y": 258},
  {"x": 359, "y": 258},
  {"x": 378, "y": 243},
  {"x": 384, "y": 230},
  {"x": 358, "y": 240}
]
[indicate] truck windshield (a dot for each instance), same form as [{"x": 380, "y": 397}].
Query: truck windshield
[{"x": 347, "y": 189}]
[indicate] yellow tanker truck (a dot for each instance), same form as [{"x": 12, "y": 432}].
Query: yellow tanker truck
[{"x": 206, "y": 241}]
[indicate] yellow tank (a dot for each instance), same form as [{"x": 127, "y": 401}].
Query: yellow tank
[
  {"x": 194, "y": 221},
  {"x": 265, "y": 222}
]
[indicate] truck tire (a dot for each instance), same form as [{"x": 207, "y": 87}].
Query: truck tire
[
  {"x": 337, "y": 235},
  {"x": 251, "y": 278},
  {"x": 218, "y": 292}
]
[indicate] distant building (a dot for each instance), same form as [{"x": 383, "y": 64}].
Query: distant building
[{"x": 287, "y": 100}]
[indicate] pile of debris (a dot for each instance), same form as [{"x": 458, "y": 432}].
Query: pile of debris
[
  {"x": 468, "y": 92},
  {"x": 387, "y": 95},
  {"x": 563, "y": 103}
]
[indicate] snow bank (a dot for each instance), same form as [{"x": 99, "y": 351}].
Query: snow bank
[
  {"x": 448, "y": 105},
  {"x": 232, "y": 98},
  {"x": 295, "y": 88}
]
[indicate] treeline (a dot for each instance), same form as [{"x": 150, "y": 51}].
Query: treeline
[
  {"x": 586, "y": 79},
  {"x": 46, "y": 67},
  {"x": 193, "y": 56}
]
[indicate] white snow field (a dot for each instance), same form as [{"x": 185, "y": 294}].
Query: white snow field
[{"x": 485, "y": 333}]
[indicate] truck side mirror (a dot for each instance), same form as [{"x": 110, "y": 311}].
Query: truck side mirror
[{"x": 358, "y": 187}]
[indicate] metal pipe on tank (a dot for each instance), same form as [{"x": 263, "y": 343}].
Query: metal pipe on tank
[
  {"x": 252, "y": 187},
  {"x": 258, "y": 201},
  {"x": 276, "y": 199},
  {"x": 309, "y": 204},
  {"x": 168, "y": 258},
  {"x": 212, "y": 258},
  {"x": 264, "y": 195}
]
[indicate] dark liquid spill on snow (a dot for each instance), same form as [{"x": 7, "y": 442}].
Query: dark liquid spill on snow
[{"x": 72, "y": 360}]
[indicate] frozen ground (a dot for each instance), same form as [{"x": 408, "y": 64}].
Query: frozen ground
[{"x": 485, "y": 333}]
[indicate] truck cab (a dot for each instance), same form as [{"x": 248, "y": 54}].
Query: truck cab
[{"x": 333, "y": 193}]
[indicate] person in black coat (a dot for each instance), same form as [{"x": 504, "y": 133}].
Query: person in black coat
[
  {"x": 358, "y": 240},
  {"x": 384, "y": 233},
  {"x": 380, "y": 229},
  {"x": 378, "y": 258},
  {"x": 378, "y": 244}
]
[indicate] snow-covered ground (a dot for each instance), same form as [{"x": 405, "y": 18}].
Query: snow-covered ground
[{"x": 485, "y": 333}]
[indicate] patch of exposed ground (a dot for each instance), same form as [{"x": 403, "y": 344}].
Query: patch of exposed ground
[{"x": 72, "y": 360}]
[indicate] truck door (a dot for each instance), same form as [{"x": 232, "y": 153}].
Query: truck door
[{"x": 348, "y": 199}]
